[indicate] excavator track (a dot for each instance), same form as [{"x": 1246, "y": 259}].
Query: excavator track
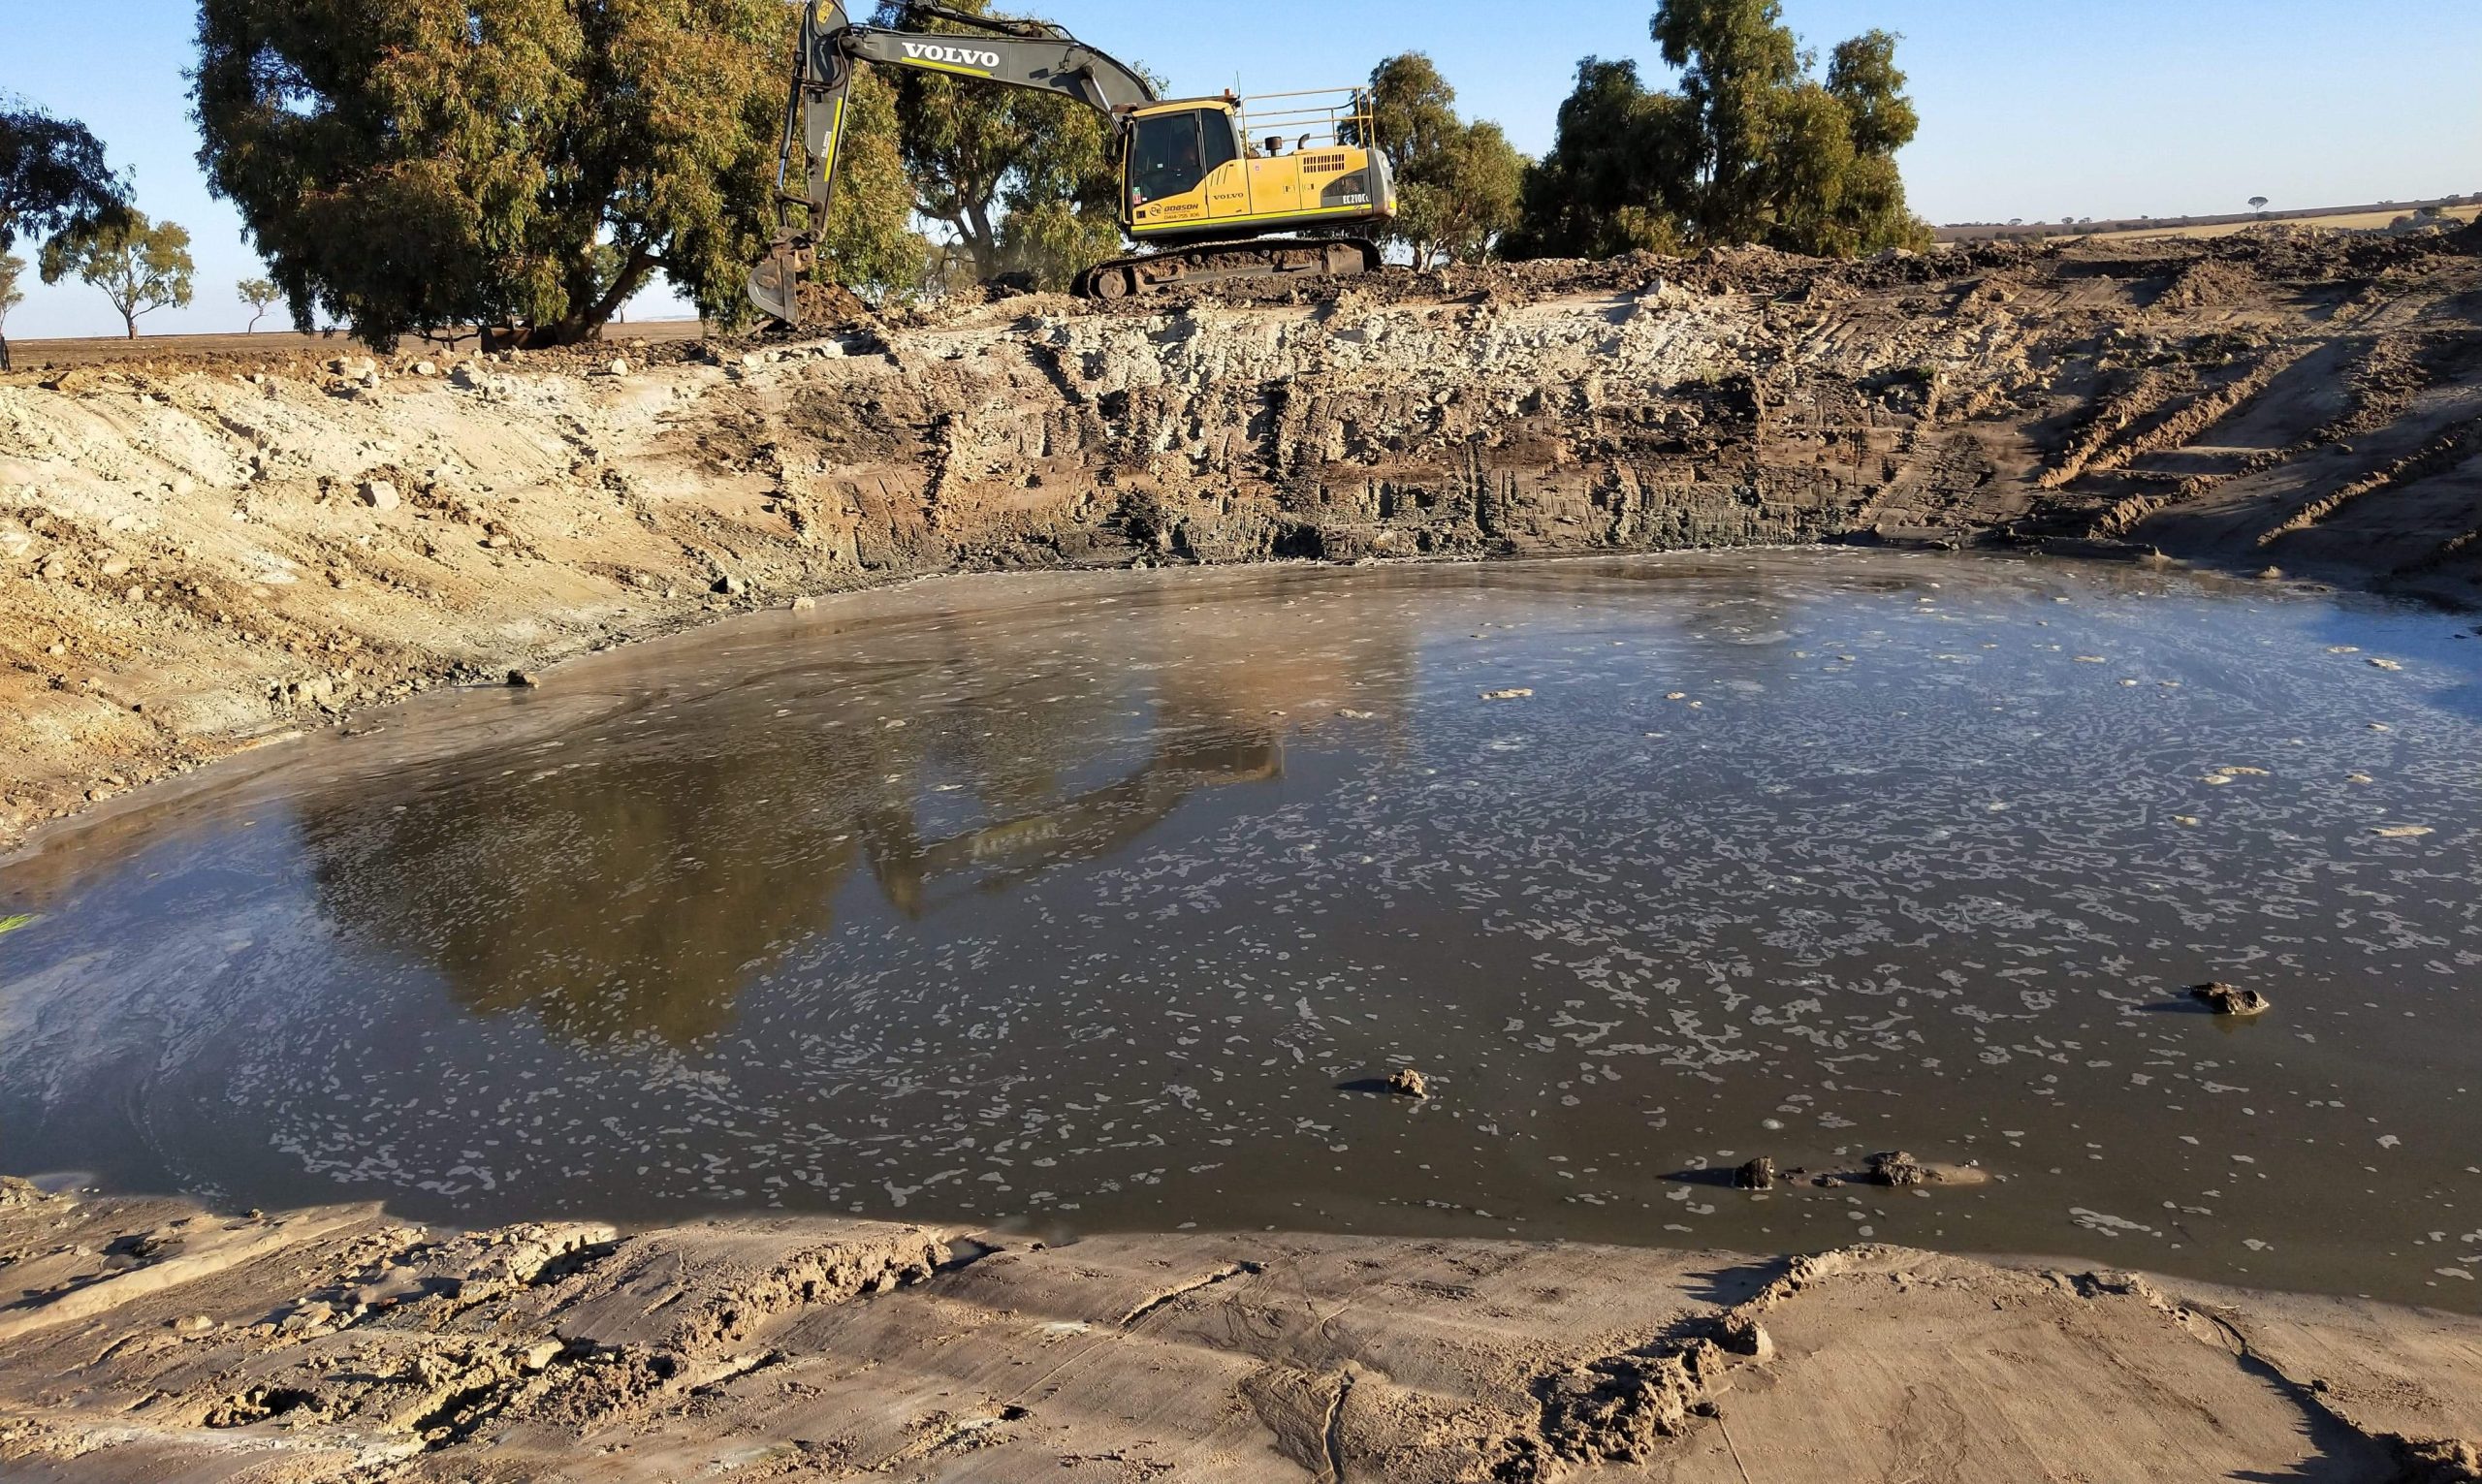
[{"x": 1141, "y": 274}]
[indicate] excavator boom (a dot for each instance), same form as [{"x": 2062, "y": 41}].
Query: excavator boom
[{"x": 1028, "y": 55}]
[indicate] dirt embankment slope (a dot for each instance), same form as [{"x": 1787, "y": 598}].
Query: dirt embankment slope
[
  {"x": 157, "y": 1342},
  {"x": 192, "y": 557}
]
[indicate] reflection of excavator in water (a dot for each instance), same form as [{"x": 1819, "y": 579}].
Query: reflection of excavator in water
[
  {"x": 1207, "y": 200},
  {"x": 1087, "y": 828}
]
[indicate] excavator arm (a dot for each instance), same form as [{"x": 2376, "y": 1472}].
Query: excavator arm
[{"x": 1029, "y": 54}]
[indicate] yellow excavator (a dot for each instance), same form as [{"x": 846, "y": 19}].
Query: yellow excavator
[{"x": 1212, "y": 188}]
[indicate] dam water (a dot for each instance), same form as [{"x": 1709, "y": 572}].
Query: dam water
[{"x": 1109, "y": 901}]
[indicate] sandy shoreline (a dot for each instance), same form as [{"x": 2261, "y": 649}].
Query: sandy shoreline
[{"x": 151, "y": 1338}]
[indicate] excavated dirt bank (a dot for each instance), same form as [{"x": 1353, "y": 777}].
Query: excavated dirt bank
[
  {"x": 154, "y": 1341},
  {"x": 196, "y": 557}
]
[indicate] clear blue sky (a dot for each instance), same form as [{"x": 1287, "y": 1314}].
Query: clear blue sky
[{"x": 2085, "y": 107}]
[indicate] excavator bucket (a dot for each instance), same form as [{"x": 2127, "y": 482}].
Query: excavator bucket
[
  {"x": 775, "y": 284},
  {"x": 814, "y": 137}
]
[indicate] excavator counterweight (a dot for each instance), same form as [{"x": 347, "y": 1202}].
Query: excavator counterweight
[{"x": 1206, "y": 199}]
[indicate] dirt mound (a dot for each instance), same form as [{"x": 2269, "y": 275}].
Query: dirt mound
[
  {"x": 829, "y": 307},
  {"x": 2209, "y": 283}
]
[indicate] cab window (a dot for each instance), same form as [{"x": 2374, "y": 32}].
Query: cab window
[
  {"x": 1173, "y": 152},
  {"x": 1222, "y": 139}
]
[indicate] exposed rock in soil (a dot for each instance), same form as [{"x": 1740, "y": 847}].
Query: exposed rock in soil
[{"x": 2300, "y": 398}]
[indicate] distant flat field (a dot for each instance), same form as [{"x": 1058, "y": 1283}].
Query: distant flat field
[
  {"x": 2364, "y": 218},
  {"x": 34, "y": 355},
  {"x": 2360, "y": 221}
]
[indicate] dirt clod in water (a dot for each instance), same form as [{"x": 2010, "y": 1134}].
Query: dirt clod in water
[
  {"x": 1897, "y": 1168},
  {"x": 2230, "y": 999},
  {"x": 1408, "y": 1083}
]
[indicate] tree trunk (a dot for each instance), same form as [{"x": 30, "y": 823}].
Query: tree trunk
[
  {"x": 582, "y": 325},
  {"x": 5, "y": 364},
  {"x": 980, "y": 239},
  {"x": 632, "y": 278},
  {"x": 123, "y": 292}
]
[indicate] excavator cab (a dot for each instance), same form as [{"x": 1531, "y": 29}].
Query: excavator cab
[
  {"x": 1191, "y": 175},
  {"x": 1173, "y": 154}
]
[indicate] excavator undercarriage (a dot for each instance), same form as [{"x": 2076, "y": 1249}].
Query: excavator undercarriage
[{"x": 1210, "y": 262}]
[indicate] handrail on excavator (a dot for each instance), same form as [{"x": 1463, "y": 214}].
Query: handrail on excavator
[{"x": 1346, "y": 114}]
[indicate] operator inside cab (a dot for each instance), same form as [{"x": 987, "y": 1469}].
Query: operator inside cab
[{"x": 1174, "y": 152}]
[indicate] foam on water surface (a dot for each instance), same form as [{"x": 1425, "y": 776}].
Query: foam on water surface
[{"x": 1106, "y": 901}]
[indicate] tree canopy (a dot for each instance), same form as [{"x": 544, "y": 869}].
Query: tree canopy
[
  {"x": 141, "y": 266},
  {"x": 1752, "y": 146},
  {"x": 417, "y": 166},
  {"x": 1457, "y": 182},
  {"x": 53, "y": 177}
]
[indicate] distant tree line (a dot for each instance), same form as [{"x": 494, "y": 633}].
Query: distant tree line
[{"x": 421, "y": 166}]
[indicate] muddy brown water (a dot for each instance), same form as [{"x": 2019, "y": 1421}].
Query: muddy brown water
[{"x": 1099, "y": 901}]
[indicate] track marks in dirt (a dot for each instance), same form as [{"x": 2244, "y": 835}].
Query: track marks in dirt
[
  {"x": 531, "y": 1351},
  {"x": 1331, "y": 1430},
  {"x": 1225, "y": 1274},
  {"x": 2432, "y": 458},
  {"x": 1622, "y": 1407},
  {"x": 2160, "y": 411}
]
